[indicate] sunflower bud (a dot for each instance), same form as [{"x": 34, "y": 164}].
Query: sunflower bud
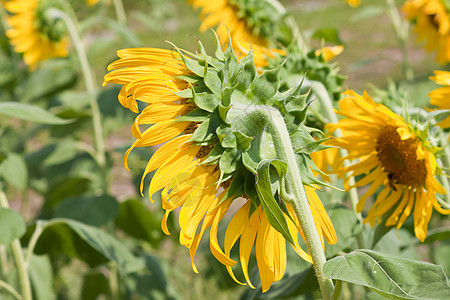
[{"x": 35, "y": 31}]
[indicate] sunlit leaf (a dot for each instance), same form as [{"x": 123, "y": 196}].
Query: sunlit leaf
[
  {"x": 30, "y": 113},
  {"x": 41, "y": 277},
  {"x": 12, "y": 225},
  {"x": 14, "y": 170},
  {"x": 390, "y": 276},
  {"x": 88, "y": 243},
  {"x": 91, "y": 210}
]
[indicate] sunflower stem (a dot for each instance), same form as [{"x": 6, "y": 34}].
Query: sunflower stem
[
  {"x": 89, "y": 82},
  {"x": 10, "y": 289},
  {"x": 402, "y": 32},
  {"x": 297, "y": 196},
  {"x": 120, "y": 12},
  {"x": 324, "y": 98},
  {"x": 16, "y": 248}
]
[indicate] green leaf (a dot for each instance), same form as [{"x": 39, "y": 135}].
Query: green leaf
[
  {"x": 347, "y": 227},
  {"x": 94, "y": 285},
  {"x": 64, "y": 187},
  {"x": 266, "y": 195},
  {"x": 91, "y": 210},
  {"x": 51, "y": 78},
  {"x": 328, "y": 34},
  {"x": 14, "y": 170},
  {"x": 12, "y": 225},
  {"x": 52, "y": 154},
  {"x": 30, "y": 112},
  {"x": 88, "y": 243},
  {"x": 390, "y": 276},
  {"x": 41, "y": 277},
  {"x": 138, "y": 221},
  {"x": 441, "y": 256},
  {"x": 151, "y": 284}
]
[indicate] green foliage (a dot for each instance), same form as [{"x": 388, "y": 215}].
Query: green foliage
[
  {"x": 391, "y": 276},
  {"x": 12, "y": 224}
]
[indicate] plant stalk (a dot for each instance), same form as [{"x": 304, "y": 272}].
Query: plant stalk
[
  {"x": 320, "y": 91},
  {"x": 402, "y": 31},
  {"x": 120, "y": 12},
  {"x": 10, "y": 289},
  {"x": 16, "y": 248},
  {"x": 89, "y": 82},
  {"x": 297, "y": 195}
]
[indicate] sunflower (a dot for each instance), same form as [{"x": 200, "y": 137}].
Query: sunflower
[
  {"x": 394, "y": 159},
  {"x": 439, "y": 97},
  {"x": 197, "y": 105},
  {"x": 432, "y": 24},
  {"x": 251, "y": 25},
  {"x": 354, "y": 3},
  {"x": 33, "y": 33}
]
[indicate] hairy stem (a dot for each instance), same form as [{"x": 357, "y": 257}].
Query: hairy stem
[
  {"x": 90, "y": 86},
  {"x": 297, "y": 196}
]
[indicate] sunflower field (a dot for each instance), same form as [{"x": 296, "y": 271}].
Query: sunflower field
[{"x": 224, "y": 149}]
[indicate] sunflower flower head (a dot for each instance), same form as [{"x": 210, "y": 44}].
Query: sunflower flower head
[
  {"x": 432, "y": 25},
  {"x": 34, "y": 31},
  {"x": 439, "y": 97},
  {"x": 252, "y": 24},
  {"x": 396, "y": 159},
  {"x": 208, "y": 114}
]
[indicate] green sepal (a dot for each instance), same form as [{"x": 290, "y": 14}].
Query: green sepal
[
  {"x": 303, "y": 142},
  {"x": 250, "y": 190},
  {"x": 218, "y": 52},
  {"x": 210, "y": 60},
  {"x": 213, "y": 82},
  {"x": 249, "y": 163},
  {"x": 206, "y": 132},
  {"x": 227, "y": 94},
  {"x": 247, "y": 73},
  {"x": 192, "y": 79},
  {"x": 230, "y": 69},
  {"x": 243, "y": 141},
  {"x": 236, "y": 188},
  {"x": 305, "y": 163},
  {"x": 205, "y": 101},
  {"x": 226, "y": 137},
  {"x": 196, "y": 115},
  {"x": 297, "y": 104},
  {"x": 192, "y": 65},
  {"x": 188, "y": 93},
  {"x": 214, "y": 155},
  {"x": 223, "y": 110},
  {"x": 266, "y": 193},
  {"x": 266, "y": 85},
  {"x": 229, "y": 161}
]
